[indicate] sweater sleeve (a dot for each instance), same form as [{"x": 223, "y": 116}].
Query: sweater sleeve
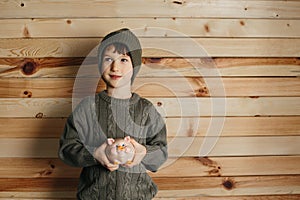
[
  {"x": 156, "y": 142},
  {"x": 73, "y": 149}
]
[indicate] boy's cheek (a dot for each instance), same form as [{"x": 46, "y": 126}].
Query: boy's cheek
[
  {"x": 103, "y": 69},
  {"x": 128, "y": 73}
]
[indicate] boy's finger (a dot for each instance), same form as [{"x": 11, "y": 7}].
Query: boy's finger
[
  {"x": 104, "y": 161},
  {"x": 112, "y": 167},
  {"x": 111, "y": 164},
  {"x": 133, "y": 142},
  {"x": 130, "y": 165}
]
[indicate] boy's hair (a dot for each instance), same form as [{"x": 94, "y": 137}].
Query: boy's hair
[
  {"x": 121, "y": 49},
  {"x": 126, "y": 42}
]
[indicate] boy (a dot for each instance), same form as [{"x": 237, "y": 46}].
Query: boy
[{"x": 115, "y": 113}]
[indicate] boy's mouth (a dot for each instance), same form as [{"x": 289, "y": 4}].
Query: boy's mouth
[{"x": 115, "y": 77}]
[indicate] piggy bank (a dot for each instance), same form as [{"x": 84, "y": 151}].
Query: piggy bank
[{"x": 119, "y": 151}]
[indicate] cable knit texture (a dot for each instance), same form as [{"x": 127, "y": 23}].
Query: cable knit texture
[{"x": 100, "y": 117}]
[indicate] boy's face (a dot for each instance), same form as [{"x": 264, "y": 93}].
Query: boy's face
[{"x": 117, "y": 68}]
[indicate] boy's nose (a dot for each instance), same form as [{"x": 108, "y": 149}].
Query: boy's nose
[{"x": 114, "y": 66}]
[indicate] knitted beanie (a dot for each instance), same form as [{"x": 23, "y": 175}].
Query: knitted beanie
[{"x": 126, "y": 37}]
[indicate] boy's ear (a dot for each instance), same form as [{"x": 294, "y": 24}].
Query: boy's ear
[
  {"x": 110, "y": 141},
  {"x": 127, "y": 139}
]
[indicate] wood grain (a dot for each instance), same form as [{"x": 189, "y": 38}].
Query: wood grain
[
  {"x": 179, "y": 127},
  {"x": 153, "y": 87},
  {"x": 238, "y": 186},
  {"x": 156, "y": 8},
  {"x": 25, "y": 195},
  {"x": 177, "y": 147},
  {"x": 202, "y": 167},
  {"x": 170, "y": 187},
  {"x": 170, "y": 107},
  {"x": 155, "y": 47},
  {"x": 252, "y": 149},
  {"x": 253, "y": 197},
  {"x": 152, "y": 67},
  {"x": 43, "y": 67},
  {"x": 31, "y": 127},
  {"x": 149, "y": 27},
  {"x": 211, "y": 67}
]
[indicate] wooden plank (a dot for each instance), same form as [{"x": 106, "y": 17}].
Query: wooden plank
[
  {"x": 217, "y": 87},
  {"x": 155, "y": 47},
  {"x": 234, "y": 146},
  {"x": 38, "y": 185},
  {"x": 24, "y": 196},
  {"x": 37, "y": 148},
  {"x": 153, "y": 87},
  {"x": 179, "y": 127},
  {"x": 38, "y": 195},
  {"x": 31, "y": 127},
  {"x": 144, "y": 27},
  {"x": 153, "y": 67},
  {"x": 155, "y": 8},
  {"x": 234, "y": 106},
  {"x": 234, "y": 126},
  {"x": 13, "y": 107},
  {"x": 37, "y": 198},
  {"x": 223, "y": 47},
  {"x": 202, "y": 167},
  {"x": 42, "y": 67},
  {"x": 208, "y": 67},
  {"x": 171, "y": 187},
  {"x": 229, "y": 166},
  {"x": 178, "y": 146},
  {"x": 36, "y": 168},
  {"x": 168, "y": 107},
  {"x": 252, "y": 197}
]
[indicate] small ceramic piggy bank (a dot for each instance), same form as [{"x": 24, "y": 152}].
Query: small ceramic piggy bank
[{"x": 119, "y": 151}]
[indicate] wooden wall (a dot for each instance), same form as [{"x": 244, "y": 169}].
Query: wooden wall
[{"x": 254, "y": 44}]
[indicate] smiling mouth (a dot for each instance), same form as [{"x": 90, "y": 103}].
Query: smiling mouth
[{"x": 115, "y": 77}]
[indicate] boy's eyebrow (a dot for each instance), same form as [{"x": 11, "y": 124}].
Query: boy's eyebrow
[
  {"x": 106, "y": 54},
  {"x": 121, "y": 55}
]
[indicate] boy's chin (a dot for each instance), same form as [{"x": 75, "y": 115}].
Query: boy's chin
[{"x": 117, "y": 85}]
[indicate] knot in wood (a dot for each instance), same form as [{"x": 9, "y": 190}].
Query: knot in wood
[
  {"x": 228, "y": 184},
  {"x": 52, "y": 166},
  {"x": 29, "y": 67},
  {"x": 27, "y": 94},
  {"x": 203, "y": 91},
  {"x": 178, "y": 2},
  {"x": 206, "y": 27},
  {"x": 39, "y": 115}
]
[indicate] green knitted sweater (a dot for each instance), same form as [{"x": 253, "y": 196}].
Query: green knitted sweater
[{"x": 100, "y": 117}]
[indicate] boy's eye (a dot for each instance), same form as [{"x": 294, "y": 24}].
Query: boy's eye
[
  {"x": 124, "y": 60},
  {"x": 107, "y": 59}
]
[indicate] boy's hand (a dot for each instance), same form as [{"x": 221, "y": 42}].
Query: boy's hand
[
  {"x": 140, "y": 152},
  {"x": 100, "y": 155}
]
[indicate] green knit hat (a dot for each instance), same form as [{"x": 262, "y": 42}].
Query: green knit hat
[{"x": 126, "y": 37}]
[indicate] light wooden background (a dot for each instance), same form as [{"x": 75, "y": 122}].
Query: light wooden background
[{"x": 254, "y": 44}]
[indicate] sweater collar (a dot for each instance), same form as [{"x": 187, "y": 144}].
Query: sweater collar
[{"x": 132, "y": 100}]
